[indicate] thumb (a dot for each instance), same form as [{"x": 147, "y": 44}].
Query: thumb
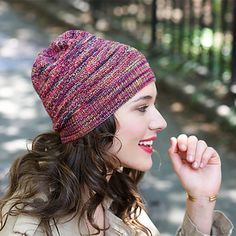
[{"x": 174, "y": 156}]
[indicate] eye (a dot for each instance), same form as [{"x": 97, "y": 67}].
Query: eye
[{"x": 143, "y": 108}]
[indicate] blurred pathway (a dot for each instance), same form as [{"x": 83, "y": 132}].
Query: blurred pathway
[{"x": 22, "y": 117}]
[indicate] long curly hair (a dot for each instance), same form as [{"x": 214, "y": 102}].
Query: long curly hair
[{"x": 50, "y": 179}]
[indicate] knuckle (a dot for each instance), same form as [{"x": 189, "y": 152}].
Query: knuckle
[{"x": 198, "y": 156}]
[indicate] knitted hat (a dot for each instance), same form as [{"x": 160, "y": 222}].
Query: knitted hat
[{"x": 83, "y": 79}]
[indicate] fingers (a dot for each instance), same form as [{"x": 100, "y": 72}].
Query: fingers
[
  {"x": 191, "y": 150},
  {"x": 210, "y": 157},
  {"x": 173, "y": 153},
  {"x": 194, "y": 151},
  {"x": 182, "y": 142},
  {"x": 201, "y": 147},
  {"x": 173, "y": 146}
]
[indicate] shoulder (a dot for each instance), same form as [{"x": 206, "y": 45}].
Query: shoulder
[
  {"x": 18, "y": 224},
  {"x": 30, "y": 226},
  {"x": 21, "y": 225}
]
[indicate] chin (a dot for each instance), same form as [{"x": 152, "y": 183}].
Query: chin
[{"x": 144, "y": 167}]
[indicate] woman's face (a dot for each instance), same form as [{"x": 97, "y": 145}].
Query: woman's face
[{"x": 138, "y": 124}]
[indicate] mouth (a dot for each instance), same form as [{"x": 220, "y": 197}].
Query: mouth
[{"x": 146, "y": 145}]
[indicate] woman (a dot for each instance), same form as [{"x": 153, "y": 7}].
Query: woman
[{"x": 81, "y": 179}]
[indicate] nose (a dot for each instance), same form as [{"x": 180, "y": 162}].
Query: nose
[{"x": 157, "y": 122}]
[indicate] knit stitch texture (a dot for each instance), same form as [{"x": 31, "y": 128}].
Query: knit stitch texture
[{"x": 82, "y": 79}]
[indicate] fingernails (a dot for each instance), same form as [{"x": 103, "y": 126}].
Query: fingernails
[
  {"x": 172, "y": 139},
  {"x": 190, "y": 158},
  {"x": 195, "y": 165},
  {"x": 182, "y": 147},
  {"x": 201, "y": 165}
]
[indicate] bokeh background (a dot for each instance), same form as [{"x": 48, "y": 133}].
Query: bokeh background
[{"x": 191, "y": 46}]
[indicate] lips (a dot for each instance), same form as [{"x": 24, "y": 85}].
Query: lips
[
  {"x": 149, "y": 139},
  {"x": 146, "y": 144},
  {"x": 147, "y": 149}
]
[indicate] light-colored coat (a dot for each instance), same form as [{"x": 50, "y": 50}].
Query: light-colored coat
[{"x": 24, "y": 225}]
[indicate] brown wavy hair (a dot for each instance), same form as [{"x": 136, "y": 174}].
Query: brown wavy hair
[{"x": 50, "y": 179}]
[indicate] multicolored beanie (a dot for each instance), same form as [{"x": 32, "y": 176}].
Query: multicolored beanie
[{"x": 83, "y": 79}]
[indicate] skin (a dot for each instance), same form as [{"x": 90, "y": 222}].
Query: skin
[
  {"x": 197, "y": 166},
  {"x": 201, "y": 181},
  {"x": 138, "y": 119}
]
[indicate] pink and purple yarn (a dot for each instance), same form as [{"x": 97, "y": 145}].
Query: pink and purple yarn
[{"x": 83, "y": 79}]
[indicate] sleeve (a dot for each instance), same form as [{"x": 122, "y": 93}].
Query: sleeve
[{"x": 221, "y": 226}]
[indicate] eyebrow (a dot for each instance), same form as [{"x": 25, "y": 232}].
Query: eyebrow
[{"x": 147, "y": 97}]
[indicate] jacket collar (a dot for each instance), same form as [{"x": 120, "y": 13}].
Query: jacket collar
[{"x": 26, "y": 225}]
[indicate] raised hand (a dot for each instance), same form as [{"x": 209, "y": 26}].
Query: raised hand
[{"x": 197, "y": 165}]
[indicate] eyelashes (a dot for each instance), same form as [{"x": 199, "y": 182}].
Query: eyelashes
[{"x": 143, "y": 108}]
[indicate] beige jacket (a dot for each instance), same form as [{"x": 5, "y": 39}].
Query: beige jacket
[{"x": 23, "y": 225}]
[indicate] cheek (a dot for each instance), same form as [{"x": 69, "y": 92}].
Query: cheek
[{"x": 130, "y": 130}]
